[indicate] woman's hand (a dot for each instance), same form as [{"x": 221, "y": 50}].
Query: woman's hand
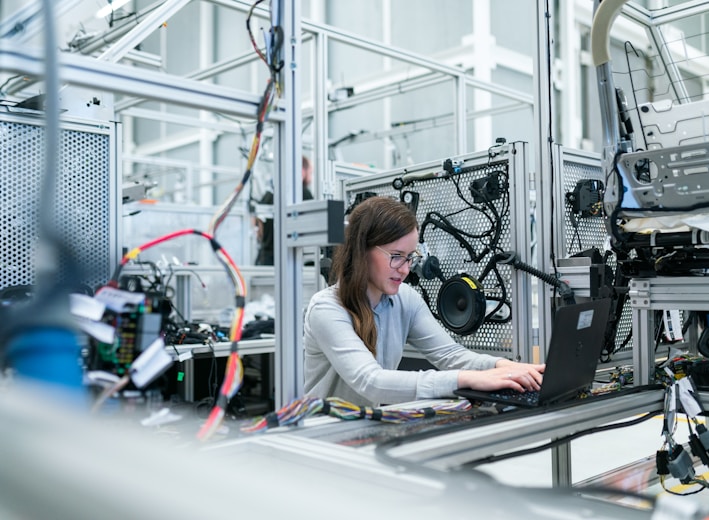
[{"x": 506, "y": 374}]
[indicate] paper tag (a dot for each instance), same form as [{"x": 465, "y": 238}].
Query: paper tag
[
  {"x": 185, "y": 356},
  {"x": 85, "y": 306},
  {"x": 100, "y": 331},
  {"x": 688, "y": 398},
  {"x": 673, "y": 325},
  {"x": 119, "y": 301},
  {"x": 152, "y": 362}
]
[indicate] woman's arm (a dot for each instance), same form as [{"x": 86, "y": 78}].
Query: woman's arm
[
  {"x": 329, "y": 332},
  {"x": 480, "y": 371}
]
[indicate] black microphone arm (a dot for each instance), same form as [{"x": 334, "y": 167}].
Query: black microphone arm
[{"x": 511, "y": 258}]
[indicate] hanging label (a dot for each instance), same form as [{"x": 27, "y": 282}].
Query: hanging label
[{"x": 673, "y": 325}]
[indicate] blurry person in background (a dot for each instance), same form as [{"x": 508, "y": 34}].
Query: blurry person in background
[{"x": 264, "y": 227}]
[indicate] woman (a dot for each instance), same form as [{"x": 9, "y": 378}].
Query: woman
[{"x": 355, "y": 330}]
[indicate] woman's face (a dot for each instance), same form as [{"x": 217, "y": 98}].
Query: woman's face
[{"x": 384, "y": 279}]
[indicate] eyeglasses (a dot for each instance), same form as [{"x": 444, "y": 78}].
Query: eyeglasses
[{"x": 396, "y": 260}]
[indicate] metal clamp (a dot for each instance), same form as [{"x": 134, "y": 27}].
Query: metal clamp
[
  {"x": 315, "y": 223},
  {"x": 639, "y": 294}
]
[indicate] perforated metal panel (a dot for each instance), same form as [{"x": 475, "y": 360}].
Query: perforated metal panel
[
  {"x": 441, "y": 195},
  {"x": 86, "y": 198},
  {"x": 576, "y": 234}
]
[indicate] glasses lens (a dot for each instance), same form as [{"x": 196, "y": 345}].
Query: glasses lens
[{"x": 396, "y": 261}]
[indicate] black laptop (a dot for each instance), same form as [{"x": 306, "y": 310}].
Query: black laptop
[{"x": 577, "y": 338}]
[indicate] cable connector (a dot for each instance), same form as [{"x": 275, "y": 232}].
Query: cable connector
[
  {"x": 680, "y": 465},
  {"x": 703, "y": 435},
  {"x": 662, "y": 462},
  {"x": 698, "y": 449},
  {"x": 453, "y": 166}
]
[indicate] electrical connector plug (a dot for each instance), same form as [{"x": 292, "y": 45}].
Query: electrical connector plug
[
  {"x": 698, "y": 449},
  {"x": 662, "y": 461},
  {"x": 680, "y": 465},
  {"x": 703, "y": 435}
]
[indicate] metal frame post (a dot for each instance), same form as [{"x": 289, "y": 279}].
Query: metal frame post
[{"x": 288, "y": 359}]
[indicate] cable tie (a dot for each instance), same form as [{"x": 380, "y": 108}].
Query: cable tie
[
  {"x": 428, "y": 412},
  {"x": 326, "y": 407},
  {"x": 653, "y": 238},
  {"x": 222, "y": 401},
  {"x": 362, "y": 412},
  {"x": 377, "y": 414},
  {"x": 272, "y": 420}
]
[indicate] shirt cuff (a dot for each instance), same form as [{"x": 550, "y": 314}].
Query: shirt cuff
[{"x": 437, "y": 384}]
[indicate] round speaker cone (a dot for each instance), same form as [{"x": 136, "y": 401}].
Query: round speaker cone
[{"x": 461, "y": 304}]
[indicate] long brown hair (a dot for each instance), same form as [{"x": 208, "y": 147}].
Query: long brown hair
[{"x": 373, "y": 222}]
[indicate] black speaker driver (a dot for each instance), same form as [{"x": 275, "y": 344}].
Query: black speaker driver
[{"x": 461, "y": 304}]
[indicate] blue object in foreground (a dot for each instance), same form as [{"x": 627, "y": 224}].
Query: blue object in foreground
[{"x": 47, "y": 354}]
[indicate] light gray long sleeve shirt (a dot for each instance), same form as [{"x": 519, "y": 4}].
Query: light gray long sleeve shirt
[{"x": 338, "y": 364}]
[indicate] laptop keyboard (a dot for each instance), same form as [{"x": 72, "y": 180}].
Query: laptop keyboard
[{"x": 513, "y": 396}]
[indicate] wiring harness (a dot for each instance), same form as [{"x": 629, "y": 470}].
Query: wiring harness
[
  {"x": 234, "y": 372},
  {"x": 672, "y": 458},
  {"x": 299, "y": 409},
  {"x": 488, "y": 199}
]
